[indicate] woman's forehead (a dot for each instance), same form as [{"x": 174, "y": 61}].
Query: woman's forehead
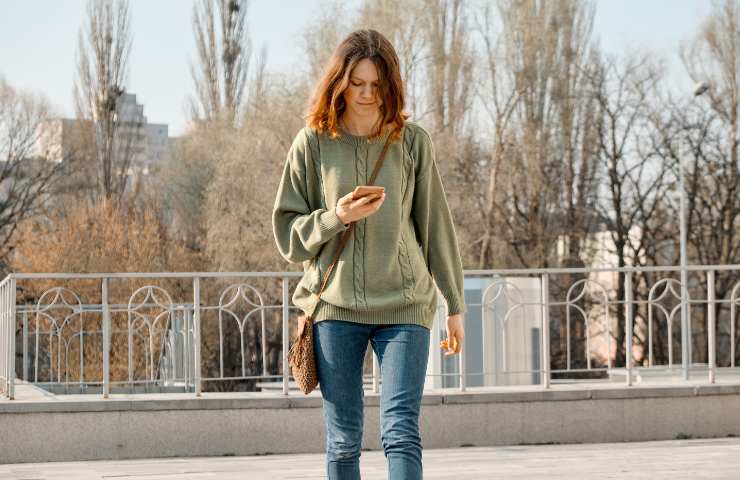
[{"x": 365, "y": 70}]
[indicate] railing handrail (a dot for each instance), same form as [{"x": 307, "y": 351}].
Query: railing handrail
[{"x": 493, "y": 271}]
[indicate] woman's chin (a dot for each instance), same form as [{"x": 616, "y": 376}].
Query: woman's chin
[{"x": 366, "y": 110}]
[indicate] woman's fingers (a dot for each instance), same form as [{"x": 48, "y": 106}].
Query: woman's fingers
[
  {"x": 378, "y": 201},
  {"x": 359, "y": 202},
  {"x": 458, "y": 345},
  {"x": 345, "y": 199},
  {"x": 453, "y": 347},
  {"x": 363, "y": 206},
  {"x": 372, "y": 203}
]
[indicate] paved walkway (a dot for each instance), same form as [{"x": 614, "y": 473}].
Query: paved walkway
[{"x": 715, "y": 459}]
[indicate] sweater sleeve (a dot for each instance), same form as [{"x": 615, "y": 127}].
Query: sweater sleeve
[
  {"x": 300, "y": 231},
  {"x": 435, "y": 227}
]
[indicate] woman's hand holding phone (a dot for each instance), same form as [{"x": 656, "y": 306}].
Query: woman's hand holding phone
[{"x": 362, "y": 202}]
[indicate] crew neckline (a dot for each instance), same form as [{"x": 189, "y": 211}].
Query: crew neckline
[{"x": 346, "y": 137}]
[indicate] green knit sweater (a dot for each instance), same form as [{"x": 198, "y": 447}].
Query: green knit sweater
[{"x": 387, "y": 272}]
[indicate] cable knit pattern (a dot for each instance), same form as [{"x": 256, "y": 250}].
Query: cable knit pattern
[
  {"x": 404, "y": 259},
  {"x": 400, "y": 257},
  {"x": 359, "y": 233},
  {"x": 407, "y": 269}
]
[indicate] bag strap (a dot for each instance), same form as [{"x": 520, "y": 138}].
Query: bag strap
[{"x": 348, "y": 232}]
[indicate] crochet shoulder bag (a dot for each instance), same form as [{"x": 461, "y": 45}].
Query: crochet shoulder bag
[{"x": 301, "y": 355}]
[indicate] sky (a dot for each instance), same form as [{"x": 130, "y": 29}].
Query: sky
[{"x": 38, "y": 43}]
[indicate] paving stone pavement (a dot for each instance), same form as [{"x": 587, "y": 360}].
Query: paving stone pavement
[{"x": 715, "y": 459}]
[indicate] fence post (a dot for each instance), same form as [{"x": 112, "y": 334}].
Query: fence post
[
  {"x": 463, "y": 367},
  {"x": 376, "y": 371},
  {"x": 106, "y": 338},
  {"x": 25, "y": 345},
  {"x": 187, "y": 341},
  {"x": 286, "y": 337},
  {"x": 711, "y": 325},
  {"x": 196, "y": 329},
  {"x": 263, "y": 337},
  {"x": 82, "y": 349},
  {"x": 628, "y": 326},
  {"x": 37, "y": 342},
  {"x": 685, "y": 328},
  {"x": 5, "y": 336},
  {"x": 12, "y": 339},
  {"x": 545, "y": 293}
]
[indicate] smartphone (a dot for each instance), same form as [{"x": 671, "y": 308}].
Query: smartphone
[{"x": 373, "y": 191}]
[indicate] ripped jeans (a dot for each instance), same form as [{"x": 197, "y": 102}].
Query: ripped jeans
[{"x": 403, "y": 352}]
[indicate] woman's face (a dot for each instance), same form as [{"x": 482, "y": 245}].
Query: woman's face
[{"x": 361, "y": 95}]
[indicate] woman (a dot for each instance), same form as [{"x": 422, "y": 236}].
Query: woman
[{"x": 382, "y": 288}]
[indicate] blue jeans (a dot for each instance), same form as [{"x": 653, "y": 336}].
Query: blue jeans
[{"x": 402, "y": 351}]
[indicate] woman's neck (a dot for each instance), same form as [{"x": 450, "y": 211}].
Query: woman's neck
[{"x": 359, "y": 126}]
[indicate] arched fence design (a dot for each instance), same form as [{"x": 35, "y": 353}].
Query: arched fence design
[{"x": 533, "y": 326}]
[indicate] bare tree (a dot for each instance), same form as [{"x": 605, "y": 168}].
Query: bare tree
[
  {"x": 224, "y": 56},
  {"x": 635, "y": 176},
  {"x": 403, "y": 33},
  {"x": 331, "y": 23},
  {"x": 577, "y": 135},
  {"x": 102, "y": 67},
  {"x": 544, "y": 134},
  {"x": 498, "y": 95},
  {"x": 445, "y": 23},
  {"x": 27, "y": 176},
  {"x": 541, "y": 169},
  {"x": 225, "y": 97},
  {"x": 712, "y": 166},
  {"x": 714, "y": 183}
]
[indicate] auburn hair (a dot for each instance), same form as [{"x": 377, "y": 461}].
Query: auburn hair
[{"x": 327, "y": 103}]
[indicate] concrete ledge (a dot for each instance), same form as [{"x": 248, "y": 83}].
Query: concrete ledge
[
  {"x": 165, "y": 425},
  {"x": 237, "y": 401}
]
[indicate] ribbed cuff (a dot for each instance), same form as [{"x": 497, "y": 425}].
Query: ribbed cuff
[
  {"x": 455, "y": 306},
  {"x": 331, "y": 223}
]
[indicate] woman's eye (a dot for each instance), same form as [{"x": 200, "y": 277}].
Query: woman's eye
[{"x": 374, "y": 86}]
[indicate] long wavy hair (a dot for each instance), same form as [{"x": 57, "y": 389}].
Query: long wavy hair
[{"x": 327, "y": 103}]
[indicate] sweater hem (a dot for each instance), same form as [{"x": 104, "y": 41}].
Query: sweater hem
[{"x": 414, "y": 313}]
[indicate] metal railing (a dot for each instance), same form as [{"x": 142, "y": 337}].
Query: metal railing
[
  {"x": 7, "y": 335},
  {"x": 540, "y": 325}
]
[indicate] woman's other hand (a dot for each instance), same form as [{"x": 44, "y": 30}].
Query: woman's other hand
[
  {"x": 455, "y": 335},
  {"x": 350, "y": 210}
]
